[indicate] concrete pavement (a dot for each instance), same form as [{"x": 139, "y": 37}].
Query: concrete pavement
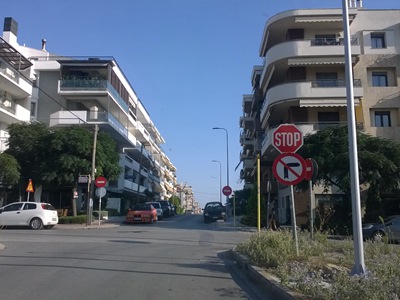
[{"x": 269, "y": 283}]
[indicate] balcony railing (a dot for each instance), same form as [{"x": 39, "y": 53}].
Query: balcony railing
[
  {"x": 332, "y": 42},
  {"x": 326, "y": 83},
  {"x": 8, "y": 105},
  {"x": 93, "y": 84}
]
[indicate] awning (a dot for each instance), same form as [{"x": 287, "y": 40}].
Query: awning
[
  {"x": 13, "y": 57},
  {"x": 326, "y": 102}
]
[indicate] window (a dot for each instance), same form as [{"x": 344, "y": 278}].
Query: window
[
  {"x": 29, "y": 206},
  {"x": 378, "y": 40},
  {"x": 33, "y": 109},
  {"x": 13, "y": 207},
  {"x": 379, "y": 79},
  {"x": 382, "y": 119}
]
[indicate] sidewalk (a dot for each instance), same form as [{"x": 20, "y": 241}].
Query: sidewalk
[{"x": 110, "y": 223}]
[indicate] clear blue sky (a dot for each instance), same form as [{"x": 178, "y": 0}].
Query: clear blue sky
[{"x": 189, "y": 61}]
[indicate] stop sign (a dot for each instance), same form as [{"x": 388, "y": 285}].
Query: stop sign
[
  {"x": 287, "y": 138},
  {"x": 227, "y": 190}
]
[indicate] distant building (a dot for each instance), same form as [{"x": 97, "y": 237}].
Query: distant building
[
  {"x": 63, "y": 91},
  {"x": 302, "y": 81}
]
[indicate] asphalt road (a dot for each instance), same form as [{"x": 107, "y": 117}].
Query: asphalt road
[{"x": 176, "y": 258}]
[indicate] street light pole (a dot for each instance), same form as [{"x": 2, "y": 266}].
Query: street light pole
[
  {"x": 220, "y": 186},
  {"x": 227, "y": 162}
]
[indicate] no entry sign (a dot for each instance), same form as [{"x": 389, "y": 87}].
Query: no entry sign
[
  {"x": 287, "y": 138},
  {"x": 289, "y": 168},
  {"x": 227, "y": 190},
  {"x": 100, "y": 182}
]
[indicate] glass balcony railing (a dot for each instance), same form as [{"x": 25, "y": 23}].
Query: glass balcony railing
[{"x": 93, "y": 84}]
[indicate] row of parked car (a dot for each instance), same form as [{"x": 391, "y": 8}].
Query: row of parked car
[{"x": 150, "y": 212}]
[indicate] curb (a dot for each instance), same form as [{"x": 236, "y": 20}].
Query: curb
[{"x": 271, "y": 284}]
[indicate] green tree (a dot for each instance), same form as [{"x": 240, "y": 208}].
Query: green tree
[
  {"x": 58, "y": 156},
  {"x": 378, "y": 158},
  {"x": 9, "y": 169},
  {"x": 251, "y": 213},
  {"x": 9, "y": 173},
  {"x": 176, "y": 202}
]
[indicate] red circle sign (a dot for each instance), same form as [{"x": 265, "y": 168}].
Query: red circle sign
[
  {"x": 100, "y": 182},
  {"x": 227, "y": 190},
  {"x": 287, "y": 138},
  {"x": 289, "y": 168}
]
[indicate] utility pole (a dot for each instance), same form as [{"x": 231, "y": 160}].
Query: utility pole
[{"x": 92, "y": 178}]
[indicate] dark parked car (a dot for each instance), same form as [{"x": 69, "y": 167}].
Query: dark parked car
[
  {"x": 390, "y": 227},
  {"x": 167, "y": 208},
  {"x": 214, "y": 211}
]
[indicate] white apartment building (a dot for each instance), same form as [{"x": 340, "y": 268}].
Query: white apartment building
[
  {"x": 87, "y": 91},
  {"x": 302, "y": 81}
]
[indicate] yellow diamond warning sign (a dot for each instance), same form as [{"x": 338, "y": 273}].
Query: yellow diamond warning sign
[{"x": 29, "y": 188}]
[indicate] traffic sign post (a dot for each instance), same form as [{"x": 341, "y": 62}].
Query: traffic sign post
[
  {"x": 29, "y": 188},
  {"x": 287, "y": 138},
  {"x": 100, "y": 192}
]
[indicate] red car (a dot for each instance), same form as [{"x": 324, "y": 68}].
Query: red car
[{"x": 141, "y": 213}]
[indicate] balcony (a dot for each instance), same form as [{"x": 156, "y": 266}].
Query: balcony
[
  {"x": 91, "y": 87},
  {"x": 10, "y": 112},
  {"x": 246, "y": 121},
  {"x": 67, "y": 118},
  {"x": 318, "y": 93},
  {"x": 16, "y": 84},
  {"x": 246, "y": 103},
  {"x": 308, "y": 52}
]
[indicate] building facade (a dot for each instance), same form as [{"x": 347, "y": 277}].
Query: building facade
[
  {"x": 302, "y": 82},
  {"x": 36, "y": 85}
]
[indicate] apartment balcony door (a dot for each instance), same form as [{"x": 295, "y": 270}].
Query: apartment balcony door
[{"x": 326, "y": 119}]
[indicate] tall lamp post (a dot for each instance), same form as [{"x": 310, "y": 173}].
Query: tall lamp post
[
  {"x": 227, "y": 163},
  {"x": 220, "y": 186}
]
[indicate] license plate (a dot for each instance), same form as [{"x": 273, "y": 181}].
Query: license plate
[
  {"x": 137, "y": 219},
  {"x": 54, "y": 219}
]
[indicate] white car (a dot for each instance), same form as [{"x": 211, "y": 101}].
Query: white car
[
  {"x": 33, "y": 214},
  {"x": 158, "y": 208}
]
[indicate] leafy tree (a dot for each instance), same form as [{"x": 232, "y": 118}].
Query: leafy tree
[
  {"x": 9, "y": 173},
  {"x": 9, "y": 169},
  {"x": 26, "y": 143},
  {"x": 176, "y": 201},
  {"x": 378, "y": 159},
  {"x": 58, "y": 156},
  {"x": 251, "y": 214}
]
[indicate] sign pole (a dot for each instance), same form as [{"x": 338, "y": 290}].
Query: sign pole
[
  {"x": 258, "y": 194},
  {"x": 359, "y": 263},
  {"x": 99, "y": 209},
  {"x": 294, "y": 220}
]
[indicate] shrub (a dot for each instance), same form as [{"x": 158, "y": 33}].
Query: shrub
[
  {"x": 323, "y": 266},
  {"x": 72, "y": 220}
]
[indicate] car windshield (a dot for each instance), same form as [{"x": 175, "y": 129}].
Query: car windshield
[
  {"x": 213, "y": 205},
  {"x": 142, "y": 207},
  {"x": 155, "y": 204}
]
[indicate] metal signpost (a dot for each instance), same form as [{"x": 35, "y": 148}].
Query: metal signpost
[
  {"x": 289, "y": 168},
  {"x": 100, "y": 182}
]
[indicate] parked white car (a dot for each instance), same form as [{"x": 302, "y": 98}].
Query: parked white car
[
  {"x": 33, "y": 214},
  {"x": 158, "y": 208}
]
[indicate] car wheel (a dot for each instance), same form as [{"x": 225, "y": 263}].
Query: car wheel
[
  {"x": 378, "y": 236},
  {"x": 36, "y": 223}
]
